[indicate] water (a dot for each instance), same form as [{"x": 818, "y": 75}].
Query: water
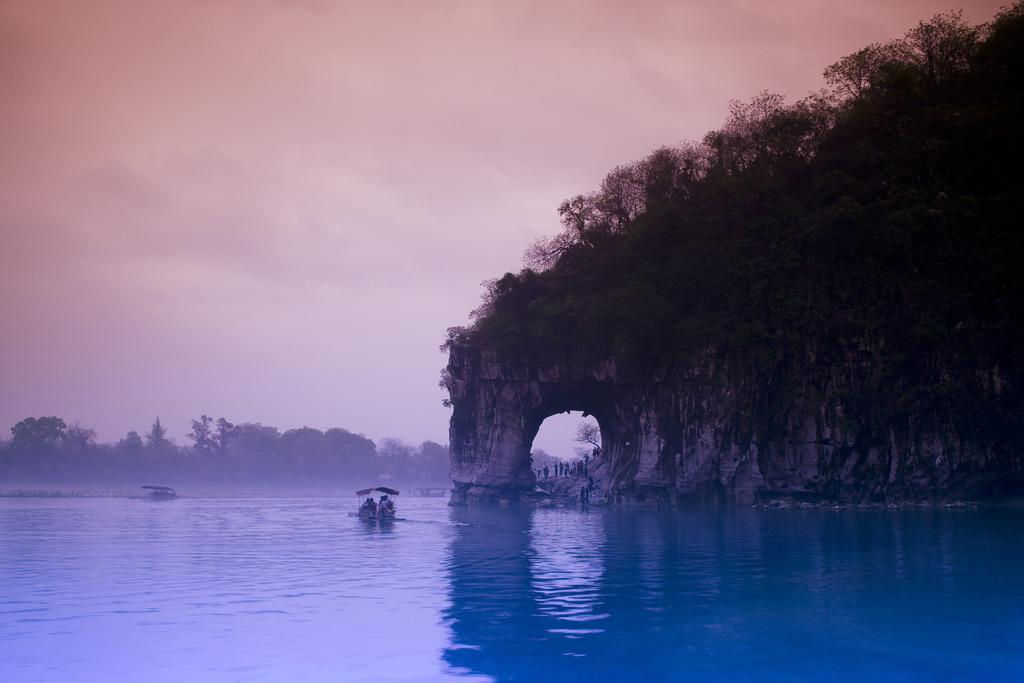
[{"x": 288, "y": 588}]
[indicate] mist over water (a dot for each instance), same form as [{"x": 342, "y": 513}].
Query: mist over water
[{"x": 270, "y": 587}]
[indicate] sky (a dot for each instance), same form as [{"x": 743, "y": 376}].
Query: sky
[{"x": 271, "y": 211}]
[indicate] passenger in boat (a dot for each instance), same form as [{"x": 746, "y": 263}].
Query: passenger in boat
[
  {"x": 386, "y": 507},
  {"x": 369, "y": 507}
]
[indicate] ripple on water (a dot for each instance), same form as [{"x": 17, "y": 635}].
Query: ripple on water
[{"x": 289, "y": 588}]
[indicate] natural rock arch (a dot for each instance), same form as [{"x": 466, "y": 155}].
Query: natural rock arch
[{"x": 498, "y": 408}]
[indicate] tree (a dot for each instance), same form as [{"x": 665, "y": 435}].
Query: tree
[
  {"x": 433, "y": 462},
  {"x": 203, "y": 437},
  {"x": 588, "y": 433},
  {"x": 156, "y": 437},
  {"x": 395, "y": 456},
  {"x": 34, "y": 431},
  {"x": 249, "y": 448},
  {"x": 354, "y": 454},
  {"x": 852, "y": 75},
  {"x": 79, "y": 437},
  {"x": 304, "y": 450},
  {"x": 225, "y": 432},
  {"x": 937, "y": 50},
  {"x": 131, "y": 442},
  {"x": 943, "y": 46}
]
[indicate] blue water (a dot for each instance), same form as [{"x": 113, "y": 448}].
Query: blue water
[{"x": 288, "y": 588}]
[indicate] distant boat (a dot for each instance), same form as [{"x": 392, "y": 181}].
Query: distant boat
[
  {"x": 430, "y": 491},
  {"x": 160, "y": 492}
]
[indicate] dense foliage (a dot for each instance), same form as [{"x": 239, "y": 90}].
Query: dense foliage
[
  {"x": 47, "y": 449},
  {"x": 889, "y": 204}
]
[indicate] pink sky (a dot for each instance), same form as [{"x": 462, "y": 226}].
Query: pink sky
[{"x": 271, "y": 211}]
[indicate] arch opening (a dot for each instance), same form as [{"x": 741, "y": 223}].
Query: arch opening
[
  {"x": 563, "y": 406},
  {"x": 563, "y": 442}
]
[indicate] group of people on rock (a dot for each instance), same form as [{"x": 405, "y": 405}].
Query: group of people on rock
[
  {"x": 371, "y": 508},
  {"x": 564, "y": 469}
]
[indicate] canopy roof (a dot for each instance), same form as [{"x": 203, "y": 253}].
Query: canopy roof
[{"x": 382, "y": 489}]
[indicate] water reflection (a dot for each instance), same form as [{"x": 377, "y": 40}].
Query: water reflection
[
  {"x": 735, "y": 594},
  {"x": 566, "y": 570},
  {"x": 491, "y": 604}
]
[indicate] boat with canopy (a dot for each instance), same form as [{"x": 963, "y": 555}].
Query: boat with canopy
[{"x": 372, "y": 511}]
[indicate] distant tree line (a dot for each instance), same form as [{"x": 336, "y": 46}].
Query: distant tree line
[{"x": 48, "y": 449}]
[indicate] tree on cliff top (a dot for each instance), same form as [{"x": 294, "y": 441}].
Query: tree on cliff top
[{"x": 886, "y": 204}]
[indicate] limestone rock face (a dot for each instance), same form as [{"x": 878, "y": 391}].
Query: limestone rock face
[{"x": 810, "y": 425}]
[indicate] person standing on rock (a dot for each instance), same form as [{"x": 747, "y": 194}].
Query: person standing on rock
[{"x": 545, "y": 471}]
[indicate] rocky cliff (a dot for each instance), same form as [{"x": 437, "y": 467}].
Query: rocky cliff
[{"x": 807, "y": 426}]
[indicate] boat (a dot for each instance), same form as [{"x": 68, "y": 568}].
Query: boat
[
  {"x": 376, "y": 515},
  {"x": 160, "y": 492}
]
